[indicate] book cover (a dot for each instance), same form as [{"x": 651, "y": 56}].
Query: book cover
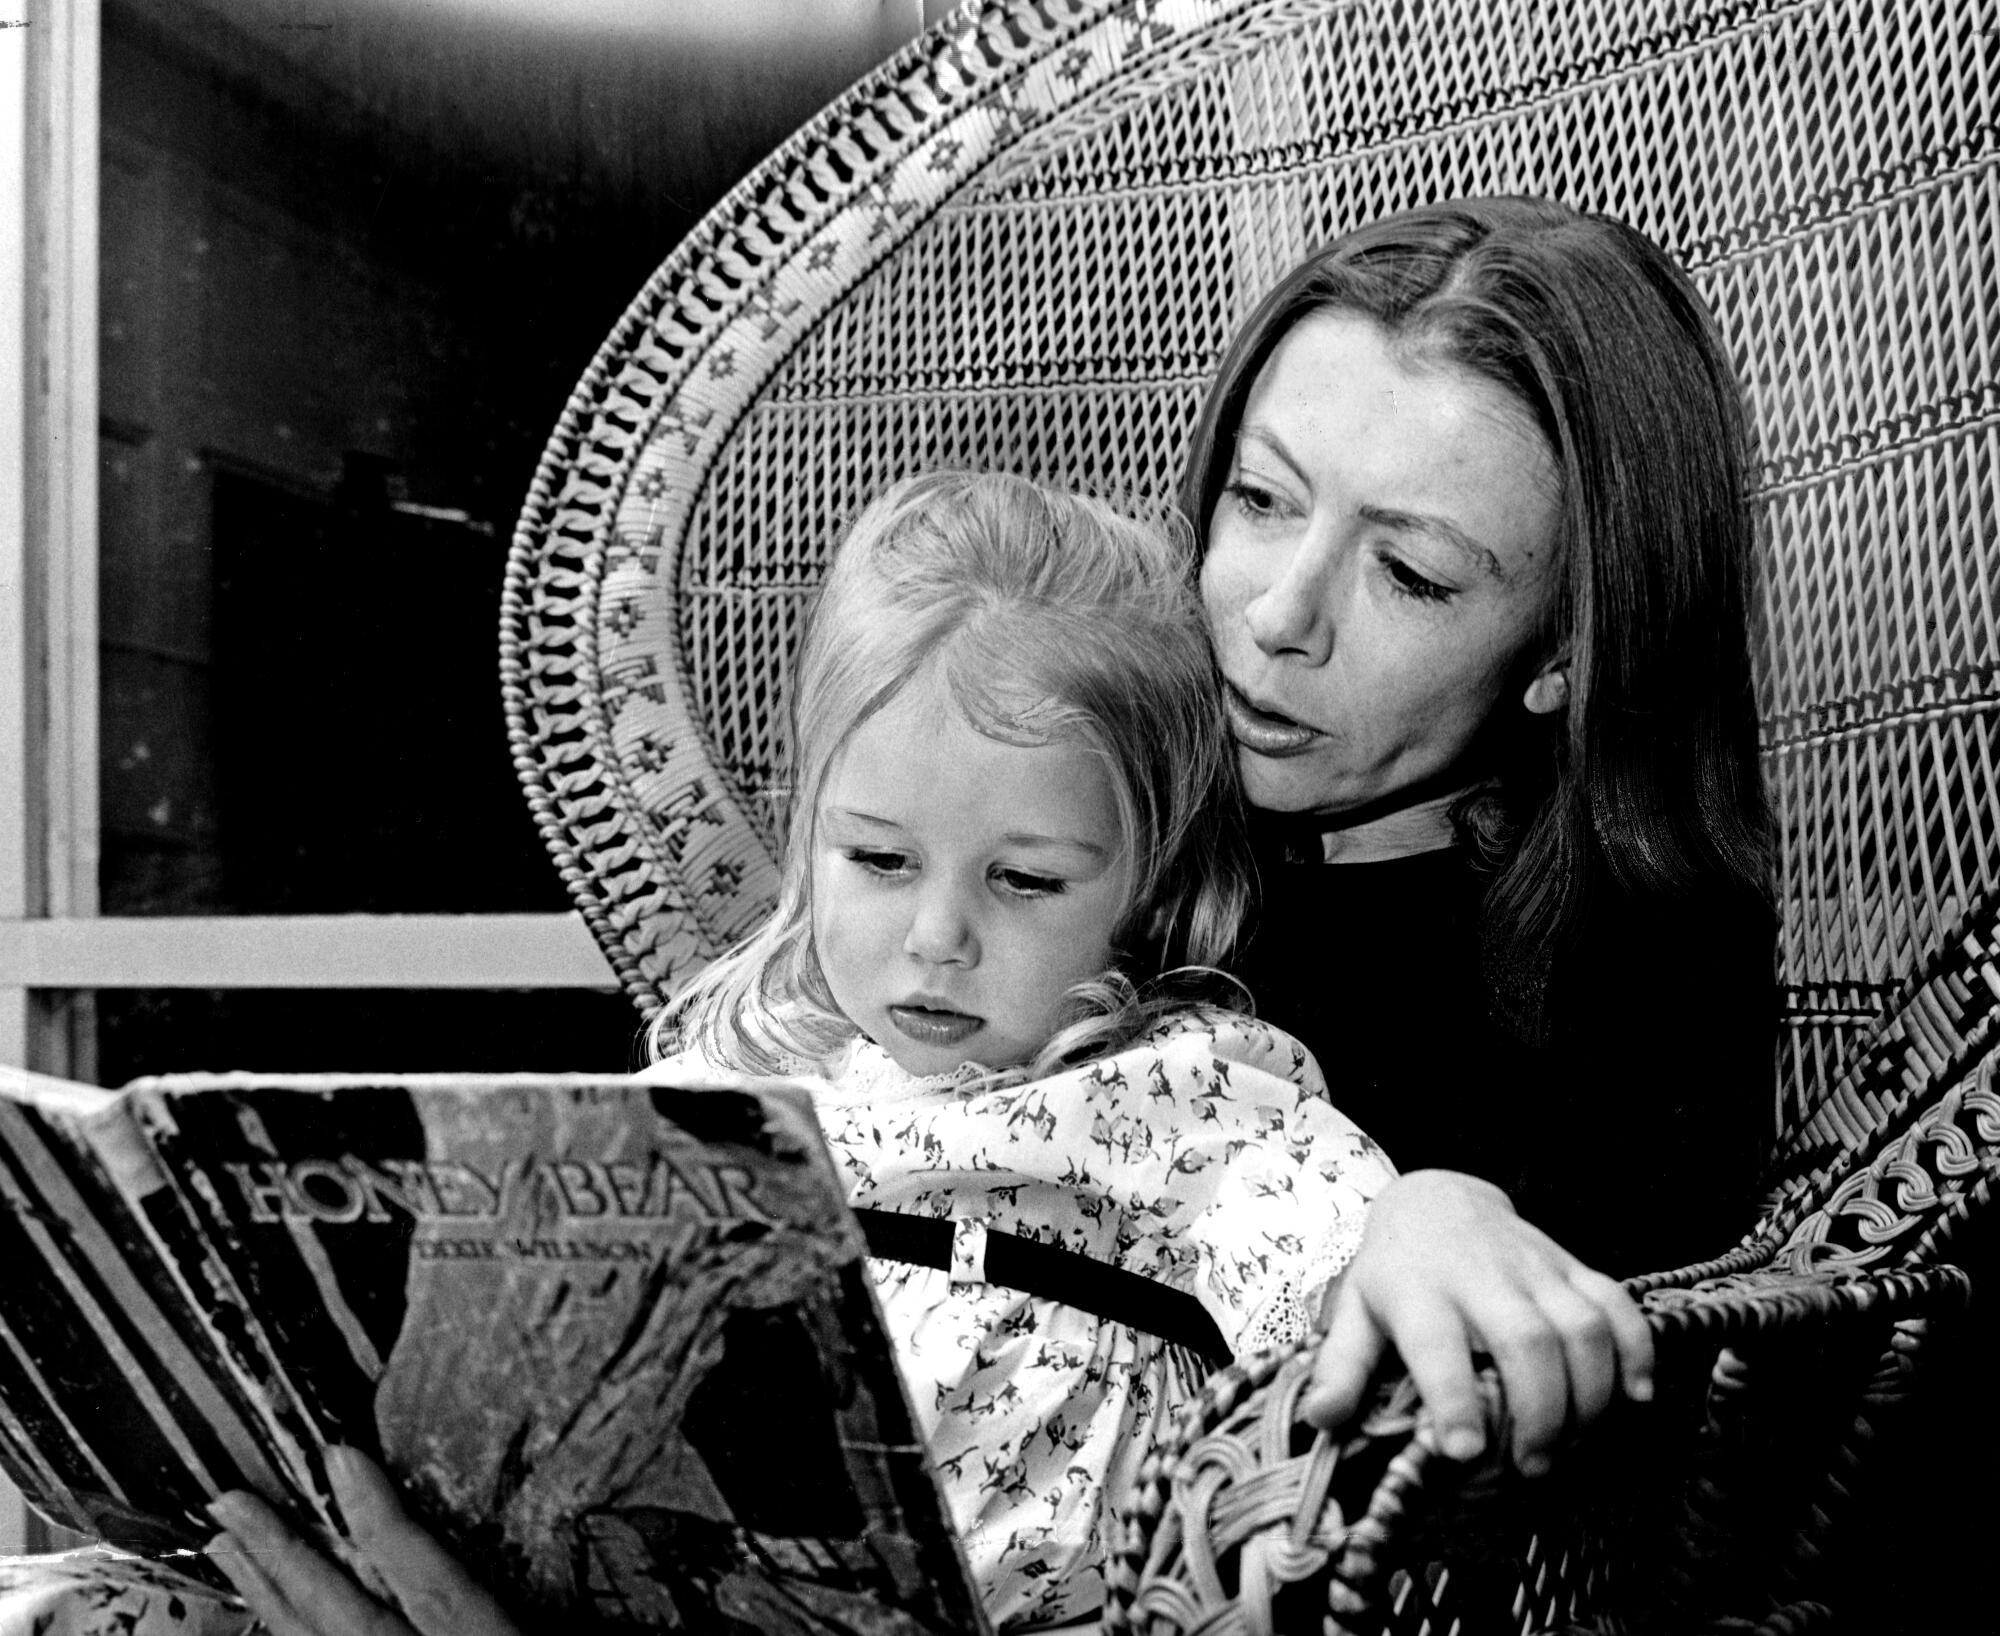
[{"x": 615, "y": 1341}]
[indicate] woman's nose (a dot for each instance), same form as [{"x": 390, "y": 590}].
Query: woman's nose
[
  {"x": 1293, "y": 613},
  {"x": 941, "y": 930}
]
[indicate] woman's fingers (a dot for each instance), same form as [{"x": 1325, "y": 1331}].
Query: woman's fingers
[
  {"x": 1631, "y": 1335},
  {"x": 1431, "y": 1338},
  {"x": 1433, "y": 1347},
  {"x": 1565, "y": 1341},
  {"x": 1345, "y": 1362},
  {"x": 436, "y": 1594},
  {"x": 1446, "y": 1268},
  {"x": 299, "y": 1592},
  {"x": 1535, "y": 1369},
  {"x": 264, "y": 1599},
  {"x": 288, "y": 1584}
]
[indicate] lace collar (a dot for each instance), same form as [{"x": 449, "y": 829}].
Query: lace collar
[{"x": 869, "y": 1074}]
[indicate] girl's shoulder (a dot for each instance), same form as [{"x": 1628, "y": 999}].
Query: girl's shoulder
[
  {"x": 696, "y": 1070},
  {"x": 693, "y": 1069},
  {"x": 698, "y": 1060},
  {"x": 1210, "y": 1034}
]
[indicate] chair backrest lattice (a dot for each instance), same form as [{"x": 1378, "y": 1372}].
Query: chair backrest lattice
[{"x": 1023, "y": 244}]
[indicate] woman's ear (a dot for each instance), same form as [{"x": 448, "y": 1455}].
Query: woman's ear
[{"x": 1549, "y": 691}]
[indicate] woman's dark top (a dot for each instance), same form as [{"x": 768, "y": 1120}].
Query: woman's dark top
[{"x": 1633, "y": 1138}]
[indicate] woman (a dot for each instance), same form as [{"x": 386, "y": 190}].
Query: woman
[{"x": 1469, "y": 486}]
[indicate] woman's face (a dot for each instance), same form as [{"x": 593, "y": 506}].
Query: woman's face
[{"x": 1379, "y": 567}]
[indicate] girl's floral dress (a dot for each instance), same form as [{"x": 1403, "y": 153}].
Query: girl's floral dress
[
  {"x": 97, "y": 1591},
  {"x": 1207, "y": 1156}
]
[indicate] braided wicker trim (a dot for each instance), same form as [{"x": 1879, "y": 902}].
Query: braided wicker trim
[
  {"x": 1940, "y": 1022},
  {"x": 1964, "y": 691},
  {"x": 1828, "y": 169},
  {"x": 1906, "y": 1143},
  {"x": 1240, "y": 1502},
  {"x": 651, "y": 841}
]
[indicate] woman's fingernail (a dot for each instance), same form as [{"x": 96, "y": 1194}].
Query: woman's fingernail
[
  {"x": 1462, "y": 1442},
  {"x": 1641, "y": 1390},
  {"x": 1533, "y": 1465},
  {"x": 340, "y": 1464},
  {"x": 230, "y": 1511},
  {"x": 231, "y": 1560}
]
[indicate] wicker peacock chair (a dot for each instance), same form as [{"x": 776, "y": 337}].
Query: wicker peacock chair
[{"x": 1022, "y": 244}]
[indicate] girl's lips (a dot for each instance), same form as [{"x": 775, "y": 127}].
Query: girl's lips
[
  {"x": 928, "y": 1025},
  {"x": 1264, "y": 732}
]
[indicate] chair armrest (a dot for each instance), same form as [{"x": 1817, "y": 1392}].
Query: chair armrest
[{"x": 1715, "y": 1500}]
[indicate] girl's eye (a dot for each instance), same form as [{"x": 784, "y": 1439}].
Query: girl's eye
[
  {"x": 1022, "y": 884},
  {"x": 878, "y": 861},
  {"x": 1408, "y": 582}
]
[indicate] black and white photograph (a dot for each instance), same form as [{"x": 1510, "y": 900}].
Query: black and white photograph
[{"x": 896, "y": 817}]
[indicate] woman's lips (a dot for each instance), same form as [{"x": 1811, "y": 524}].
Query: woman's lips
[
  {"x": 1265, "y": 732},
  {"x": 934, "y": 1025}
]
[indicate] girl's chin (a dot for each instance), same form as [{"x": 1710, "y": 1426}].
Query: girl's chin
[{"x": 930, "y": 1061}]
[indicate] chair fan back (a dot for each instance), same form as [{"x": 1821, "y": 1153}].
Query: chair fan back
[{"x": 1023, "y": 244}]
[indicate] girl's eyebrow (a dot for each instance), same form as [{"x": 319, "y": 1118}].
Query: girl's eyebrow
[
  {"x": 862, "y": 817},
  {"x": 1016, "y": 837},
  {"x": 1072, "y": 842}
]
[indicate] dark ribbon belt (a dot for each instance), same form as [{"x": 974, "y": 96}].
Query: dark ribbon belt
[{"x": 1054, "y": 1274}]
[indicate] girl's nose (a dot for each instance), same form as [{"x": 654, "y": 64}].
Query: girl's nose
[
  {"x": 1292, "y": 615},
  {"x": 941, "y": 931}
]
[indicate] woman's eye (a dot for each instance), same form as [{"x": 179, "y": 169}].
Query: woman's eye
[
  {"x": 1022, "y": 884},
  {"x": 877, "y": 861},
  {"x": 1408, "y": 582},
  {"x": 1251, "y": 497}
]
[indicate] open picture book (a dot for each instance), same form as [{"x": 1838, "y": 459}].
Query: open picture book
[{"x": 615, "y": 1342}]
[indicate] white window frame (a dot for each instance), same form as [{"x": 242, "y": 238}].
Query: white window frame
[
  {"x": 52, "y": 942},
  {"x": 54, "y": 949}
]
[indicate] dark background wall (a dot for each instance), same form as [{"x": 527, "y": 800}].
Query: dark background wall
[{"x": 355, "y": 253}]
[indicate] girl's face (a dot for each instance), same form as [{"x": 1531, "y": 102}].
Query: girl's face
[
  {"x": 1379, "y": 566},
  {"x": 961, "y": 886}
]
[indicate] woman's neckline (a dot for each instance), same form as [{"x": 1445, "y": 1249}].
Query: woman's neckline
[{"x": 1422, "y": 826}]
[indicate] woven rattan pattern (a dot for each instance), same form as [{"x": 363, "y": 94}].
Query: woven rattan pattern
[
  {"x": 1249, "y": 1522},
  {"x": 1023, "y": 244},
  {"x": 1753, "y": 1455}
]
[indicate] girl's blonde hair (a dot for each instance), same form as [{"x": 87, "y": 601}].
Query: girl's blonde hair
[{"x": 1048, "y": 617}]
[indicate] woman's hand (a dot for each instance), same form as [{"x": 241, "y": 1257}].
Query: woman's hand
[
  {"x": 298, "y": 1592},
  {"x": 1445, "y": 1268}
]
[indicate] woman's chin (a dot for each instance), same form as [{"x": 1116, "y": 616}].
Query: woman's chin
[{"x": 1295, "y": 786}]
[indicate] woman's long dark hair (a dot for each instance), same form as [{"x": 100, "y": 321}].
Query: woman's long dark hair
[{"x": 1647, "y": 790}]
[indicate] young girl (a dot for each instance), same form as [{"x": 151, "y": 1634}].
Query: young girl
[{"x": 1015, "y": 819}]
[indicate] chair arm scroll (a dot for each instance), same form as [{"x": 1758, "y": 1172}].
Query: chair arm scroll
[{"x": 1715, "y": 1505}]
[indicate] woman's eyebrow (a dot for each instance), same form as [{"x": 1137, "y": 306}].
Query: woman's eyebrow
[
  {"x": 1273, "y": 446},
  {"x": 1439, "y": 528},
  {"x": 1416, "y": 522}
]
